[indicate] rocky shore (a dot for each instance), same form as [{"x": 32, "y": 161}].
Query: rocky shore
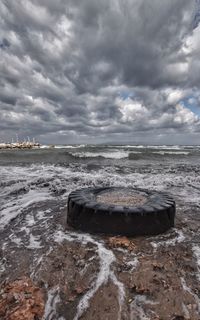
[
  {"x": 48, "y": 271},
  {"x": 88, "y": 277},
  {"x": 20, "y": 145}
]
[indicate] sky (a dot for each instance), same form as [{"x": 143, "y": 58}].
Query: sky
[{"x": 109, "y": 71}]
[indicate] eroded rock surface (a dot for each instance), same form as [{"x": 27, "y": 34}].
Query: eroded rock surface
[
  {"x": 20, "y": 300},
  {"x": 51, "y": 272}
]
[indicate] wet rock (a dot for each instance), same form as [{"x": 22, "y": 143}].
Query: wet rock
[
  {"x": 21, "y": 300},
  {"x": 158, "y": 266},
  {"x": 121, "y": 242},
  {"x": 139, "y": 289}
]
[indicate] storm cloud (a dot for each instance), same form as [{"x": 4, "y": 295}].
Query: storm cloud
[{"x": 74, "y": 71}]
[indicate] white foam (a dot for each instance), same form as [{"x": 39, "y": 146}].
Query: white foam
[
  {"x": 137, "y": 311},
  {"x": 171, "y": 152},
  {"x": 40, "y": 215},
  {"x": 60, "y": 236},
  {"x": 107, "y": 154},
  {"x": 170, "y": 242},
  {"x": 69, "y": 146},
  {"x": 47, "y": 211},
  {"x": 130, "y": 146},
  {"x": 194, "y": 295},
  {"x": 26, "y": 230},
  {"x": 174, "y": 147},
  {"x": 50, "y": 306},
  {"x": 14, "y": 207},
  {"x": 196, "y": 251},
  {"x": 133, "y": 264},
  {"x": 34, "y": 242},
  {"x": 16, "y": 240},
  {"x": 141, "y": 146},
  {"x": 121, "y": 292},
  {"x": 30, "y": 221},
  {"x": 61, "y": 146},
  {"x": 106, "y": 258},
  {"x": 37, "y": 263},
  {"x": 184, "y": 186},
  {"x": 86, "y": 265}
]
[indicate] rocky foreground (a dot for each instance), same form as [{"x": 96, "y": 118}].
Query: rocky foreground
[
  {"x": 96, "y": 277},
  {"x": 51, "y": 272}
]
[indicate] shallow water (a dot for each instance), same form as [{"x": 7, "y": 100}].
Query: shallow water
[{"x": 34, "y": 187}]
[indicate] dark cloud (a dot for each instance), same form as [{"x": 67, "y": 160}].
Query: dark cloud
[
  {"x": 65, "y": 66},
  {"x": 4, "y": 44},
  {"x": 8, "y": 99}
]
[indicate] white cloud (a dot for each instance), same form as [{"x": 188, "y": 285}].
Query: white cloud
[
  {"x": 185, "y": 116},
  {"x": 174, "y": 95},
  {"x": 132, "y": 110},
  {"x": 66, "y": 64}
]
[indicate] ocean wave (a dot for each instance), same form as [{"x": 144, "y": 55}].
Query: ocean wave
[
  {"x": 102, "y": 154},
  {"x": 171, "y": 152},
  {"x": 24, "y": 187},
  {"x": 128, "y": 146},
  {"x": 69, "y": 146},
  {"x": 124, "y": 147},
  {"x": 11, "y": 209},
  {"x": 59, "y": 146},
  {"x": 141, "y": 146},
  {"x": 166, "y": 147}
]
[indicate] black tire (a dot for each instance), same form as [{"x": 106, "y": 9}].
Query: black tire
[{"x": 154, "y": 217}]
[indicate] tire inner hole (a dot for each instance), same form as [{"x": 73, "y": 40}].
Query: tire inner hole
[{"x": 128, "y": 198}]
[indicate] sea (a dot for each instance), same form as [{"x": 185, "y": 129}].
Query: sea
[
  {"x": 35, "y": 184},
  {"x": 36, "y": 175}
]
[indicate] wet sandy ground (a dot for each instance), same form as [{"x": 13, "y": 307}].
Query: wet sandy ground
[{"x": 81, "y": 276}]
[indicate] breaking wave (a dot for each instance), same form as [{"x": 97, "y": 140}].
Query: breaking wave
[
  {"x": 33, "y": 200},
  {"x": 103, "y": 154},
  {"x": 23, "y": 187}
]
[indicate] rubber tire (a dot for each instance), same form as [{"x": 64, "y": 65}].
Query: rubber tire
[{"x": 88, "y": 215}]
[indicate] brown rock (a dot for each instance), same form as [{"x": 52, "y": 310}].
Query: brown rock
[
  {"x": 122, "y": 242},
  {"x": 21, "y": 300},
  {"x": 158, "y": 266},
  {"x": 139, "y": 289}
]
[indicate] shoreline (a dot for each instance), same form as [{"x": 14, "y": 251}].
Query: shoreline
[
  {"x": 20, "y": 145},
  {"x": 135, "y": 278},
  {"x": 70, "y": 275}
]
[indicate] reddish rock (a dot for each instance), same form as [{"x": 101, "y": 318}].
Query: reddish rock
[
  {"x": 123, "y": 242},
  {"x": 21, "y": 300}
]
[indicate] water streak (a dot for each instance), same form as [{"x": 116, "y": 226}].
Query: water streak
[{"x": 106, "y": 259}]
